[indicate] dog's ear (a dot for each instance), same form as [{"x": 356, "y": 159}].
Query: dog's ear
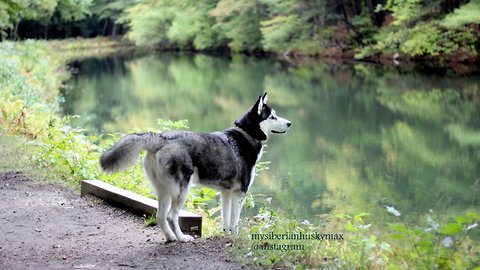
[
  {"x": 259, "y": 105},
  {"x": 262, "y": 100}
]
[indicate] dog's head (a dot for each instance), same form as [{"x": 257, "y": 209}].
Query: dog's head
[{"x": 261, "y": 121}]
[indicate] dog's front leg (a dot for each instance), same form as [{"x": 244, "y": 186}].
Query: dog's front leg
[
  {"x": 238, "y": 197},
  {"x": 226, "y": 197}
]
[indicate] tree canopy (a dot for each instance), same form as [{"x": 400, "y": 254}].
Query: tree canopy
[{"x": 415, "y": 28}]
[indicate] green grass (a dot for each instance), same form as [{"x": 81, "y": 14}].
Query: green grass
[
  {"x": 14, "y": 154},
  {"x": 150, "y": 220},
  {"x": 359, "y": 241}
]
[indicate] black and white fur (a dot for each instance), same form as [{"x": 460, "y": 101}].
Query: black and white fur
[{"x": 222, "y": 160}]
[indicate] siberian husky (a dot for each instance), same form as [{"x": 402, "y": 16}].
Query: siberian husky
[{"x": 222, "y": 160}]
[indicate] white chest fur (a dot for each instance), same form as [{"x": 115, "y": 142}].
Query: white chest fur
[{"x": 252, "y": 174}]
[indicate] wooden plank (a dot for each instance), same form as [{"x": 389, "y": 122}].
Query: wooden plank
[{"x": 141, "y": 205}]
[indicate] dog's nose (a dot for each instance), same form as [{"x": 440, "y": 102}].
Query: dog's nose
[{"x": 289, "y": 124}]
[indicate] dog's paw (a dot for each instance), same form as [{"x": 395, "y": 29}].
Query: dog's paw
[
  {"x": 170, "y": 238},
  {"x": 185, "y": 238}
]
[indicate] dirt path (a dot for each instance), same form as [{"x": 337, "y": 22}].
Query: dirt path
[{"x": 44, "y": 226}]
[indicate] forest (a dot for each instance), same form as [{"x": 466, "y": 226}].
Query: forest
[{"x": 371, "y": 29}]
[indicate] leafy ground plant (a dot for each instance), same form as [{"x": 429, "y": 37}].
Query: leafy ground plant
[
  {"x": 269, "y": 240},
  {"x": 149, "y": 220}
]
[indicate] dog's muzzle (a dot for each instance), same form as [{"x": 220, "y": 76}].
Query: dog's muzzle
[{"x": 285, "y": 131}]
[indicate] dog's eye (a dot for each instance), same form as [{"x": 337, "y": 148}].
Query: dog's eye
[{"x": 272, "y": 117}]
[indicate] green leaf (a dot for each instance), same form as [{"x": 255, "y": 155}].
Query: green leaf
[
  {"x": 397, "y": 236},
  {"x": 358, "y": 217},
  {"x": 249, "y": 201},
  {"x": 343, "y": 216},
  {"x": 350, "y": 227},
  {"x": 398, "y": 228},
  {"x": 451, "y": 229}
]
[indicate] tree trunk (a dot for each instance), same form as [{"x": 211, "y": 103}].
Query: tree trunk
[
  {"x": 114, "y": 30},
  {"x": 344, "y": 12},
  {"x": 15, "y": 31},
  {"x": 105, "y": 27},
  {"x": 356, "y": 7},
  {"x": 68, "y": 31},
  {"x": 371, "y": 11}
]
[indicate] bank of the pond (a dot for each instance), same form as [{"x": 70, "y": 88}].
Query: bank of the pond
[
  {"x": 32, "y": 73},
  {"x": 30, "y": 77}
]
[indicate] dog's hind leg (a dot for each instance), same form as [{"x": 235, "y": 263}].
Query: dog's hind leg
[
  {"x": 238, "y": 197},
  {"x": 177, "y": 204},
  {"x": 164, "y": 203},
  {"x": 226, "y": 200},
  {"x": 163, "y": 189}
]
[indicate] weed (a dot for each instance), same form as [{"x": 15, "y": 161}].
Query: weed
[
  {"x": 149, "y": 220},
  {"x": 97, "y": 202}
]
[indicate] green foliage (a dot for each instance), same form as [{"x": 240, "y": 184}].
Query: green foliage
[
  {"x": 14, "y": 153},
  {"x": 73, "y": 10},
  {"x": 149, "y": 23},
  {"x": 424, "y": 39},
  {"x": 418, "y": 29},
  {"x": 192, "y": 26},
  {"x": 299, "y": 26},
  {"x": 67, "y": 152},
  {"x": 169, "y": 125},
  {"x": 112, "y": 10},
  {"x": 278, "y": 30},
  {"x": 45, "y": 12},
  {"x": 363, "y": 245},
  {"x": 149, "y": 220},
  {"x": 403, "y": 10},
  {"x": 466, "y": 14},
  {"x": 204, "y": 201},
  {"x": 273, "y": 25},
  {"x": 429, "y": 39},
  {"x": 439, "y": 245},
  {"x": 171, "y": 23},
  {"x": 293, "y": 25},
  {"x": 365, "y": 28},
  {"x": 239, "y": 21},
  {"x": 28, "y": 90},
  {"x": 463, "y": 135},
  {"x": 12, "y": 12}
]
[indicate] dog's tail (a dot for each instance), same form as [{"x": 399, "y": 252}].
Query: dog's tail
[{"x": 125, "y": 152}]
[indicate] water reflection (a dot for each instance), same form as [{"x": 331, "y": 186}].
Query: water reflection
[{"x": 363, "y": 137}]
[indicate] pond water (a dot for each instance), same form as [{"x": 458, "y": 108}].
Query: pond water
[{"x": 363, "y": 136}]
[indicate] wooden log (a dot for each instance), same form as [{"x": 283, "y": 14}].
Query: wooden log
[{"x": 189, "y": 222}]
